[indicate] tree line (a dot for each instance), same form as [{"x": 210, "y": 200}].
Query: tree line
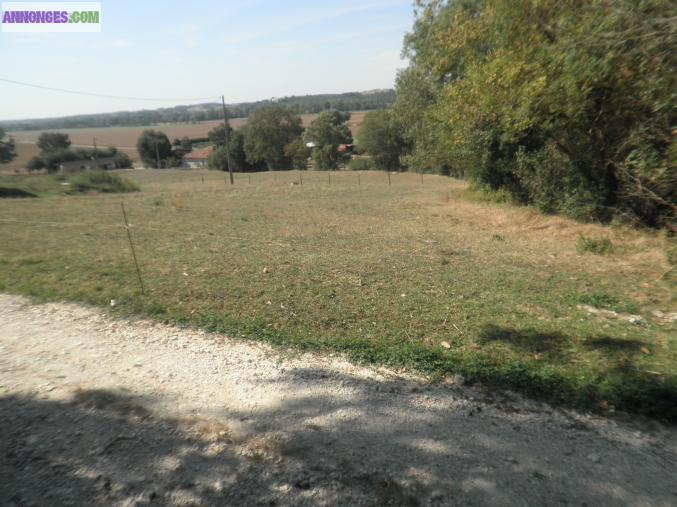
[
  {"x": 565, "y": 105},
  {"x": 273, "y": 139},
  {"x": 55, "y": 149},
  {"x": 352, "y": 101}
]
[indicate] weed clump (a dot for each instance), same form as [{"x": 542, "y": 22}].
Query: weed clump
[
  {"x": 598, "y": 246},
  {"x": 100, "y": 181}
]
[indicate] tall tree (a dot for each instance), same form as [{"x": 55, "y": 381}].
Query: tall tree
[
  {"x": 153, "y": 145},
  {"x": 238, "y": 157},
  {"x": 329, "y": 128},
  {"x": 380, "y": 137},
  {"x": 298, "y": 153},
  {"x": 7, "y": 148},
  {"x": 268, "y": 131},
  {"x": 53, "y": 141},
  {"x": 327, "y": 132}
]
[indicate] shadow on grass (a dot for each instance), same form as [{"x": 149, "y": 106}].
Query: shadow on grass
[
  {"x": 612, "y": 345},
  {"x": 527, "y": 340},
  {"x": 550, "y": 377},
  {"x": 15, "y": 193},
  {"x": 617, "y": 380},
  {"x": 105, "y": 447}
]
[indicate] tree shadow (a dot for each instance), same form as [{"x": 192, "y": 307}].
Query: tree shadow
[
  {"x": 371, "y": 442},
  {"x": 15, "y": 192},
  {"x": 612, "y": 345},
  {"x": 618, "y": 378},
  {"x": 97, "y": 448},
  {"x": 527, "y": 340}
]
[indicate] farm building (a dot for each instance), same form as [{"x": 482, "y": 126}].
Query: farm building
[
  {"x": 197, "y": 158},
  {"x": 88, "y": 164}
]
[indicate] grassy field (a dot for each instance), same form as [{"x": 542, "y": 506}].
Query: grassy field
[
  {"x": 412, "y": 275},
  {"x": 124, "y": 138}
]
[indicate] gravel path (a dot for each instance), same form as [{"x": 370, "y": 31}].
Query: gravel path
[{"x": 96, "y": 411}]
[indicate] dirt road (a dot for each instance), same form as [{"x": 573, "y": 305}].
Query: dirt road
[{"x": 95, "y": 411}]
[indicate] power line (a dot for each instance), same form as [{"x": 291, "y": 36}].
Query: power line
[{"x": 91, "y": 94}]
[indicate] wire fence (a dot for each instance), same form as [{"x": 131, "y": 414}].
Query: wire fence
[{"x": 198, "y": 182}]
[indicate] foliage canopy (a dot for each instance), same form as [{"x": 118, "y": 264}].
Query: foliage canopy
[
  {"x": 327, "y": 132},
  {"x": 381, "y": 138},
  {"x": 7, "y": 148},
  {"x": 53, "y": 141},
  {"x": 238, "y": 157},
  {"x": 153, "y": 145},
  {"x": 568, "y": 105},
  {"x": 268, "y": 131}
]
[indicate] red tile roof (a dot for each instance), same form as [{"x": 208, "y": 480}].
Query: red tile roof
[{"x": 198, "y": 154}]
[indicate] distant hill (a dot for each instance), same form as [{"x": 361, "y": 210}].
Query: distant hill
[{"x": 353, "y": 101}]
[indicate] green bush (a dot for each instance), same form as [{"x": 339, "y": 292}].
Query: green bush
[
  {"x": 100, "y": 181},
  {"x": 599, "y": 246},
  {"x": 482, "y": 193},
  {"x": 549, "y": 180},
  {"x": 122, "y": 160},
  {"x": 361, "y": 164}
]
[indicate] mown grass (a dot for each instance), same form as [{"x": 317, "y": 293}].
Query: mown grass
[
  {"x": 383, "y": 274},
  {"x": 41, "y": 185}
]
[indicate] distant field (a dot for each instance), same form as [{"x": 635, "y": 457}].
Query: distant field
[
  {"x": 413, "y": 275},
  {"x": 24, "y": 152},
  {"x": 125, "y": 137}
]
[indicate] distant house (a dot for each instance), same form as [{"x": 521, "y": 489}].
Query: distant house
[
  {"x": 197, "y": 158},
  {"x": 88, "y": 165}
]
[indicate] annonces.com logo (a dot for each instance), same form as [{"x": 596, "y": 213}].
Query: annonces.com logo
[{"x": 51, "y": 17}]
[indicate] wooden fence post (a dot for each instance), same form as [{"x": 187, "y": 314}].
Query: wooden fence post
[{"x": 131, "y": 245}]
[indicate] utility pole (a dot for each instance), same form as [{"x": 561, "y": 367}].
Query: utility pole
[
  {"x": 93, "y": 157},
  {"x": 225, "y": 135}
]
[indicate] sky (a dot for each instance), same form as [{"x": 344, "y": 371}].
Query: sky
[{"x": 245, "y": 50}]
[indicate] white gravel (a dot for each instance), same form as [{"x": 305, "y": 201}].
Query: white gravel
[{"x": 96, "y": 411}]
